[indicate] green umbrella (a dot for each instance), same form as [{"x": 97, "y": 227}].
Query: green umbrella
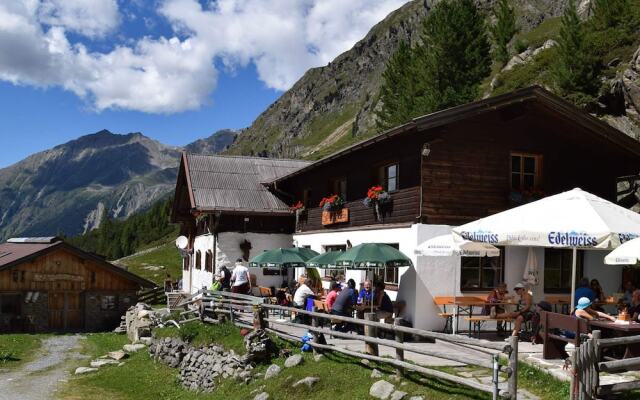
[
  {"x": 289, "y": 257},
  {"x": 373, "y": 256},
  {"x": 324, "y": 259}
]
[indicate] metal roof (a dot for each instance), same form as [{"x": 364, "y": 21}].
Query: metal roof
[
  {"x": 41, "y": 240},
  {"x": 228, "y": 183}
]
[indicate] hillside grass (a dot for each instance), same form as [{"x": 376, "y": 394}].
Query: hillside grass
[
  {"x": 17, "y": 349},
  {"x": 198, "y": 334},
  {"x": 165, "y": 255}
]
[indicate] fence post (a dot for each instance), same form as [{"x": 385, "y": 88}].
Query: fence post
[
  {"x": 370, "y": 348},
  {"x": 315, "y": 324},
  {"x": 258, "y": 317},
  {"x": 513, "y": 365},
  {"x": 595, "y": 359},
  {"x": 399, "y": 339}
]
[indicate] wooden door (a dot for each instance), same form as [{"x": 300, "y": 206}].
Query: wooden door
[{"x": 65, "y": 311}]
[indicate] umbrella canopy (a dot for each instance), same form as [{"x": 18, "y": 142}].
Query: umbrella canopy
[
  {"x": 371, "y": 256},
  {"x": 573, "y": 219},
  {"x": 531, "y": 268},
  {"x": 289, "y": 257},
  {"x": 324, "y": 259},
  {"x": 627, "y": 254},
  {"x": 446, "y": 246}
]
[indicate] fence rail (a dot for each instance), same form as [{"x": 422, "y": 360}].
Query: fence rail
[
  {"x": 255, "y": 312},
  {"x": 152, "y": 296},
  {"x": 587, "y": 366}
]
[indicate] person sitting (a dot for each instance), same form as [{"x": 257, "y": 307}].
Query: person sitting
[
  {"x": 241, "y": 282},
  {"x": 584, "y": 310},
  {"x": 599, "y": 294},
  {"x": 303, "y": 292},
  {"x": 366, "y": 294},
  {"x": 634, "y": 309},
  {"x": 497, "y": 295},
  {"x": 584, "y": 290},
  {"x": 524, "y": 314},
  {"x": 333, "y": 294},
  {"x": 343, "y": 306},
  {"x": 383, "y": 303}
]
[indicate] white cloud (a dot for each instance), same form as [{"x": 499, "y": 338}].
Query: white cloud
[{"x": 283, "y": 38}]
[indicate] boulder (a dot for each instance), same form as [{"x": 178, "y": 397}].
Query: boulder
[
  {"x": 398, "y": 395},
  {"x": 381, "y": 390},
  {"x": 293, "y": 361},
  {"x": 133, "y": 348},
  {"x": 117, "y": 355},
  {"x": 84, "y": 370},
  {"x": 102, "y": 362},
  {"x": 309, "y": 381},
  {"x": 272, "y": 371},
  {"x": 375, "y": 374},
  {"x": 416, "y": 398},
  {"x": 261, "y": 396},
  {"x": 317, "y": 357}
]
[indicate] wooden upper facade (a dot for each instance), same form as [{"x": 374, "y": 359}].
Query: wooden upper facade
[{"x": 468, "y": 162}]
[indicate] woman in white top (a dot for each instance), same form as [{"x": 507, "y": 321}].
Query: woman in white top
[
  {"x": 301, "y": 294},
  {"x": 241, "y": 282}
]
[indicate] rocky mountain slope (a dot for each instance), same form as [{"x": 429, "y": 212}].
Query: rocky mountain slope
[
  {"x": 70, "y": 187},
  {"x": 332, "y": 106},
  {"x": 214, "y": 144}
]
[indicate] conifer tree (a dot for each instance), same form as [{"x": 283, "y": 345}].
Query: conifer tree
[
  {"x": 396, "y": 91},
  {"x": 503, "y": 30},
  {"x": 575, "y": 71},
  {"x": 610, "y": 13},
  {"x": 454, "y": 58}
]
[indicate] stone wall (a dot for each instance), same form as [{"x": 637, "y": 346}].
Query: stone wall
[{"x": 97, "y": 319}]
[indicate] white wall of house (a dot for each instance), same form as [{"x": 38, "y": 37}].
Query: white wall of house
[{"x": 227, "y": 251}]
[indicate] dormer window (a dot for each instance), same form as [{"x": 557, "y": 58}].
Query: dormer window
[{"x": 526, "y": 171}]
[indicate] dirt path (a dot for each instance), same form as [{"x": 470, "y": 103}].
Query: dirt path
[{"x": 40, "y": 378}]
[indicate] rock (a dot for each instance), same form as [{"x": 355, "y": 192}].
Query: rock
[
  {"x": 84, "y": 370},
  {"x": 395, "y": 378},
  {"x": 398, "y": 395},
  {"x": 375, "y": 374},
  {"x": 309, "y": 381},
  {"x": 381, "y": 390},
  {"x": 365, "y": 362},
  {"x": 272, "y": 371},
  {"x": 259, "y": 389},
  {"x": 133, "y": 348},
  {"x": 146, "y": 340},
  {"x": 416, "y": 398},
  {"x": 293, "y": 361},
  {"x": 317, "y": 357},
  {"x": 102, "y": 363},
  {"x": 117, "y": 355},
  {"x": 261, "y": 396}
]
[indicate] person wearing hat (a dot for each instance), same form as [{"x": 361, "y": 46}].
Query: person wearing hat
[
  {"x": 583, "y": 310},
  {"x": 524, "y": 314}
]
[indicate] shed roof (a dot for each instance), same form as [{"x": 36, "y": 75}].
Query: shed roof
[
  {"x": 227, "y": 183},
  {"x": 19, "y": 250}
]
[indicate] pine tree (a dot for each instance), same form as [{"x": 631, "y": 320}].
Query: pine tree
[
  {"x": 610, "y": 13},
  {"x": 575, "y": 72},
  {"x": 396, "y": 91},
  {"x": 454, "y": 58},
  {"x": 503, "y": 30}
]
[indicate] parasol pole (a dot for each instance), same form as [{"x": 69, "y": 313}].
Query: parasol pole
[
  {"x": 573, "y": 278},
  {"x": 455, "y": 305}
]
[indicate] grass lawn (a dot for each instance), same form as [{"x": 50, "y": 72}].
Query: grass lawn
[
  {"x": 16, "y": 349},
  {"x": 341, "y": 377},
  {"x": 166, "y": 255}
]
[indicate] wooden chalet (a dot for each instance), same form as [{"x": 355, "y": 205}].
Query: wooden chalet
[{"x": 48, "y": 285}]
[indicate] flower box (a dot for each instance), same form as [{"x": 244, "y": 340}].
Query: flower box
[{"x": 335, "y": 217}]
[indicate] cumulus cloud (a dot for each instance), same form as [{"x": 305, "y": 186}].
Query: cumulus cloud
[{"x": 283, "y": 38}]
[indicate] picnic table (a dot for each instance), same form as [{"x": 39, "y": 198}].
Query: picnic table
[
  {"x": 612, "y": 329},
  {"x": 464, "y": 306}
]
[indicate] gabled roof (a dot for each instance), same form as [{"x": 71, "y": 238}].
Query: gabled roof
[
  {"x": 469, "y": 110},
  {"x": 19, "y": 250},
  {"x": 228, "y": 183}
]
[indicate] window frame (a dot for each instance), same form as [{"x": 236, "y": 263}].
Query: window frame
[
  {"x": 537, "y": 175},
  {"x": 186, "y": 263},
  {"x": 384, "y": 176},
  {"x": 481, "y": 267},
  {"x": 563, "y": 269},
  {"x": 198, "y": 260},
  {"x": 208, "y": 261}
]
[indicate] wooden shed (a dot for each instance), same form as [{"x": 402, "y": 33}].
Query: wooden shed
[{"x": 47, "y": 285}]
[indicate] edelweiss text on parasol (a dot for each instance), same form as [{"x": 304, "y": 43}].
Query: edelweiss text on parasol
[{"x": 572, "y": 239}]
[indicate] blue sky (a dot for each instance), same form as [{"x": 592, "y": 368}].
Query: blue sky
[{"x": 175, "y": 70}]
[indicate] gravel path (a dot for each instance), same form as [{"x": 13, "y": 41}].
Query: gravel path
[{"x": 39, "y": 379}]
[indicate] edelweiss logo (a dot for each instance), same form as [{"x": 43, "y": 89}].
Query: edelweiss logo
[
  {"x": 573, "y": 239},
  {"x": 625, "y": 237},
  {"x": 480, "y": 236}
]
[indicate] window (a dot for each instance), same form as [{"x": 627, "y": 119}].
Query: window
[
  {"x": 198, "y": 260},
  {"x": 208, "y": 261},
  {"x": 10, "y": 304},
  {"x": 109, "y": 302},
  {"x": 185, "y": 262},
  {"x": 391, "y": 275},
  {"x": 481, "y": 273},
  {"x": 334, "y": 272},
  {"x": 339, "y": 186},
  {"x": 526, "y": 171},
  {"x": 389, "y": 175},
  {"x": 557, "y": 269}
]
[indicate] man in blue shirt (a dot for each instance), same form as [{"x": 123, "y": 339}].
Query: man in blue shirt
[
  {"x": 366, "y": 294},
  {"x": 584, "y": 291}
]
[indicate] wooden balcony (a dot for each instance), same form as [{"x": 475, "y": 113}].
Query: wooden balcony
[{"x": 404, "y": 208}]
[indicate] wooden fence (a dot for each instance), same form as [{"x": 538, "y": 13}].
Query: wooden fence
[
  {"x": 152, "y": 296},
  {"x": 587, "y": 366},
  {"x": 257, "y": 313}
]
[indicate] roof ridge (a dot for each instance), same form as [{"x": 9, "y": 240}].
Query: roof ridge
[{"x": 246, "y": 157}]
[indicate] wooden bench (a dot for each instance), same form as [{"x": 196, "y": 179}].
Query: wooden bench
[
  {"x": 466, "y": 303},
  {"x": 554, "y": 343},
  {"x": 478, "y": 321},
  {"x": 562, "y": 300}
]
